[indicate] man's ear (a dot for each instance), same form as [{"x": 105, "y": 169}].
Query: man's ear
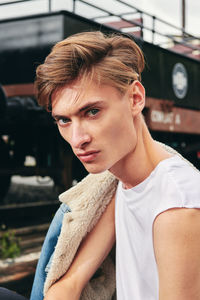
[{"x": 137, "y": 97}]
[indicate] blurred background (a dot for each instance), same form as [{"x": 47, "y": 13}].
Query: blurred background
[{"x": 36, "y": 165}]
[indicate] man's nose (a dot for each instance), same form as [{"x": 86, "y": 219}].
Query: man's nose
[{"x": 79, "y": 137}]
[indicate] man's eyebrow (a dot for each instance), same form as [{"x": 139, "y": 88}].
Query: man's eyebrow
[
  {"x": 89, "y": 105},
  {"x": 81, "y": 109},
  {"x": 58, "y": 117}
]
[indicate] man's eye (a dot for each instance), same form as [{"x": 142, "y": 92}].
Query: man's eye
[
  {"x": 92, "y": 112},
  {"x": 62, "y": 121}
]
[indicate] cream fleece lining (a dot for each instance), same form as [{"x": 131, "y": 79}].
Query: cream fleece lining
[{"x": 87, "y": 201}]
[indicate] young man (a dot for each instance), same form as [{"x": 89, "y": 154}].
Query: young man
[{"x": 91, "y": 83}]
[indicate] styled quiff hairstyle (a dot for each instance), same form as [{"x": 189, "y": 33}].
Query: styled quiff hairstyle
[{"x": 114, "y": 59}]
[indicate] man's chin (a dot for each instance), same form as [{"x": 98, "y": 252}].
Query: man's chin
[{"x": 95, "y": 169}]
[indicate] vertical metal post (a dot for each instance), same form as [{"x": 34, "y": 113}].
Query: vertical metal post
[
  {"x": 183, "y": 17},
  {"x": 141, "y": 26},
  {"x": 153, "y": 28},
  {"x": 49, "y": 5},
  {"x": 74, "y": 6}
]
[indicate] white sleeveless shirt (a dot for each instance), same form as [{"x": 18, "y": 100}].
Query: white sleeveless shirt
[{"x": 173, "y": 183}]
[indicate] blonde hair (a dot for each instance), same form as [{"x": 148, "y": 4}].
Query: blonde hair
[{"x": 114, "y": 59}]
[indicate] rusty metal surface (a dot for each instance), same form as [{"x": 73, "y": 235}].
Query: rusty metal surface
[
  {"x": 19, "y": 278},
  {"x": 12, "y": 90},
  {"x": 162, "y": 115}
]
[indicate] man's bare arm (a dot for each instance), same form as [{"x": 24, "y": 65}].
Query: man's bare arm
[
  {"x": 177, "y": 250},
  {"x": 92, "y": 252}
]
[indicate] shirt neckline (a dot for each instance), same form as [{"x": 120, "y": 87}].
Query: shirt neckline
[{"x": 145, "y": 181}]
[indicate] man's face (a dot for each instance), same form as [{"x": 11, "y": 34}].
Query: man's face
[{"x": 97, "y": 122}]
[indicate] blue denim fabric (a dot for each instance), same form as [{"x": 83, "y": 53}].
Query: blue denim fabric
[
  {"x": 47, "y": 253},
  {"x": 10, "y": 295}
]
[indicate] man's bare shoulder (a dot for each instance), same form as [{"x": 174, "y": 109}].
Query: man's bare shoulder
[
  {"x": 177, "y": 216},
  {"x": 177, "y": 247}
]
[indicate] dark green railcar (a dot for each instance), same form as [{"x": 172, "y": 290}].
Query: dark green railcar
[{"x": 172, "y": 111}]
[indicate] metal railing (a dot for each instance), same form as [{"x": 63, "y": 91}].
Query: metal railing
[
  {"x": 188, "y": 42},
  {"x": 21, "y": 1}
]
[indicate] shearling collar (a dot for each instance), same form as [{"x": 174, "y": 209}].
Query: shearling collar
[{"x": 87, "y": 201}]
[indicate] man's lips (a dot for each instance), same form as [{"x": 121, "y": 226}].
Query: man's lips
[{"x": 87, "y": 156}]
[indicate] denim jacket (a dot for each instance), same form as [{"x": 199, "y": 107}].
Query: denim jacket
[
  {"x": 47, "y": 253},
  {"x": 81, "y": 208}
]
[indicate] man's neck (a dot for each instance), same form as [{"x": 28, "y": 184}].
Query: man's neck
[{"x": 138, "y": 165}]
